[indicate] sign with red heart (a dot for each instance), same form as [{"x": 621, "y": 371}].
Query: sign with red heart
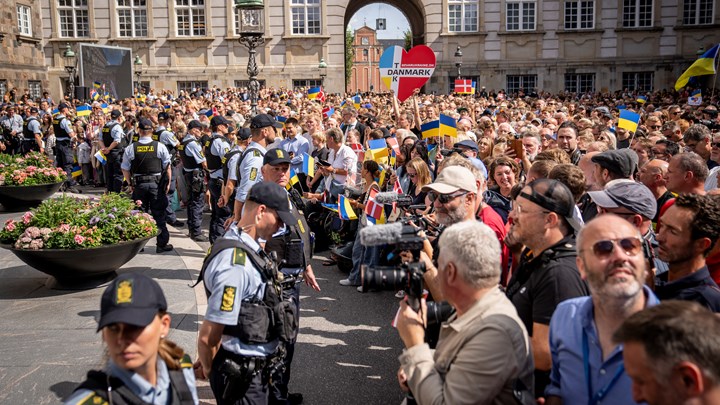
[{"x": 403, "y": 72}]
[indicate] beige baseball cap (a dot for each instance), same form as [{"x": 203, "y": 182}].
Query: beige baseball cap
[{"x": 452, "y": 179}]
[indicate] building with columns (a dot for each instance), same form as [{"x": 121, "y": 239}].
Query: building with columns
[{"x": 576, "y": 45}]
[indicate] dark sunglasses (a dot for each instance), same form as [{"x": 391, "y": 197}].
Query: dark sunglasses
[
  {"x": 444, "y": 198},
  {"x": 604, "y": 248},
  {"x": 715, "y": 144}
]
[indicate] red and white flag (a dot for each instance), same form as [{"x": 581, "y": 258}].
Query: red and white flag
[{"x": 463, "y": 86}]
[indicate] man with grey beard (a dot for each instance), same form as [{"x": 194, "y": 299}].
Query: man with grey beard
[{"x": 610, "y": 258}]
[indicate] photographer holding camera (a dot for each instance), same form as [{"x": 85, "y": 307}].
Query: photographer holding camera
[{"x": 483, "y": 355}]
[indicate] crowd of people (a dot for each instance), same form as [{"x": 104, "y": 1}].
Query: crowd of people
[{"x": 555, "y": 233}]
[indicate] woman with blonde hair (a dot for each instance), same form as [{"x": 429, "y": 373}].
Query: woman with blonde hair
[
  {"x": 419, "y": 174},
  {"x": 143, "y": 367}
]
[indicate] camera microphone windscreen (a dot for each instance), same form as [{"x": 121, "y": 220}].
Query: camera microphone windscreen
[
  {"x": 381, "y": 234},
  {"x": 392, "y": 197}
]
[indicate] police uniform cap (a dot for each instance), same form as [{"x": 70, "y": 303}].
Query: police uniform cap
[
  {"x": 620, "y": 161},
  {"x": 219, "y": 120},
  {"x": 145, "y": 124},
  {"x": 243, "y": 133},
  {"x": 264, "y": 120},
  {"x": 63, "y": 105},
  {"x": 194, "y": 124},
  {"x": 115, "y": 114},
  {"x": 163, "y": 116},
  {"x": 133, "y": 299},
  {"x": 273, "y": 196},
  {"x": 33, "y": 110},
  {"x": 467, "y": 144},
  {"x": 275, "y": 157}
]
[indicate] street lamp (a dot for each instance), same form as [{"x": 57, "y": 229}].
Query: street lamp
[
  {"x": 138, "y": 70},
  {"x": 458, "y": 60},
  {"x": 69, "y": 57},
  {"x": 251, "y": 28},
  {"x": 323, "y": 70}
]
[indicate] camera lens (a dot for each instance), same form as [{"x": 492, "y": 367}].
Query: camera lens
[
  {"x": 382, "y": 278},
  {"x": 438, "y": 312}
]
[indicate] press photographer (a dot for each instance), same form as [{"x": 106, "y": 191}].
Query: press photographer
[{"x": 473, "y": 362}]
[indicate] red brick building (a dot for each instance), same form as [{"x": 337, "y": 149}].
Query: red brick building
[{"x": 365, "y": 70}]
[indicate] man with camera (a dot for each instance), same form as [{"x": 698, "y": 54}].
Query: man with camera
[
  {"x": 483, "y": 355},
  {"x": 240, "y": 343}
]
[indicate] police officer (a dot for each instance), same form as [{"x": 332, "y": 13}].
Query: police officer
[
  {"x": 262, "y": 133},
  {"x": 113, "y": 139},
  {"x": 32, "y": 133},
  {"x": 293, "y": 246},
  {"x": 134, "y": 319},
  {"x": 215, "y": 149},
  {"x": 238, "y": 345},
  {"x": 194, "y": 172},
  {"x": 64, "y": 135},
  {"x": 230, "y": 166},
  {"x": 146, "y": 167},
  {"x": 167, "y": 138}
]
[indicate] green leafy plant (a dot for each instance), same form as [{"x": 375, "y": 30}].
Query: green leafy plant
[
  {"x": 76, "y": 223},
  {"x": 29, "y": 170}
]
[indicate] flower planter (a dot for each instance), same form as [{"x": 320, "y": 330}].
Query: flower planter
[
  {"x": 77, "y": 267},
  {"x": 20, "y": 197}
]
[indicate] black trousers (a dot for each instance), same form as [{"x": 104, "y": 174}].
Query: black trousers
[
  {"x": 195, "y": 205},
  {"x": 153, "y": 197},
  {"x": 219, "y": 215},
  {"x": 256, "y": 393},
  {"x": 29, "y": 146},
  {"x": 281, "y": 378},
  {"x": 64, "y": 159},
  {"x": 113, "y": 173}
]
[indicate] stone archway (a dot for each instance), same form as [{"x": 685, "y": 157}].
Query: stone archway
[{"x": 413, "y": 10}]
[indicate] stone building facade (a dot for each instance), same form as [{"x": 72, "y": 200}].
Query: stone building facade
[
  {"x": 22, "y": 63},
  {"x": 510, "y": 44}
]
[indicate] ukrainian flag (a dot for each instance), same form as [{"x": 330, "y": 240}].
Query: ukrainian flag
[
  {"x": 356, "y": 101},
  {"x": 55, "y": 112},
  {"x": 83, "y": 111},
  {"x": 705, "y": 65},
  {"x": 641, "y": 99},
  {"x": 432, "y": 152},
  {"x": 447, "y": 126},
  {"x": 378, "y": 148},
  {"x": 430, "y": 129},
  {"x": 97, "y": 85},
  {"x": 629, "y": 120},
  {"x": 293, "y": 179},
  {"x": 105, "y": 108},
  {"x": 94, "y": 94},
  {"x": 308, "y": 165},
  {"x": 76, "y": 171},
  {"x": 281, "y": 119},
  {"x": 314, "y": 92},
  {"x": 344, "y": 208}
]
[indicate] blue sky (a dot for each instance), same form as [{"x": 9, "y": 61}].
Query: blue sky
[{"x": 397, "y": 23}]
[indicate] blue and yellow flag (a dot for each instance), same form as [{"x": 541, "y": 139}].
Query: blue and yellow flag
[
  {"x": 105, "y": 108},
  {"x": 448, "y": 126},
  {"x": 293, "y": 179},
  {"x": 281, "y": 120},
  {"x": 432, "y": 152},
  {"x": 314, "y": 92},
  {"x": 705, "y": 65},
  {"x": 628, "y": 120},
  {"x": 641, "y": 99},
  {"x": 83, "y": 111},
  {"x": 378, "y": 148},
  {"x": 308, "y": 165},
  {"x": 97, "y": 85},
  {"x": 76, "y": 171},
  {"x": 344, "y": 208},
  {"x": 430, "y": 129},
  {"x": 356, "y": 101}
]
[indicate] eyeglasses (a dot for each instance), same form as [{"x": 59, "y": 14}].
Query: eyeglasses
[
  {"x": 412, "y": 175},
  {"x": 715, "y": 144},
  {"x": 655, "y": 126},
  {"x": 444, "y": 198},
  {"x": 604, "y": 248}
]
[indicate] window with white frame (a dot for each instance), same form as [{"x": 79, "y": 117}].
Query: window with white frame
[
  {"x": 24, "y": 19},
  {"x": 462, "y": 15},
  {"x": 74, "y": 18},
  {"x": 246, "y": 83},
  {"x": 579, "y": 14},
  {"x": 580, "y": 82},
  {"x": 190, "y": 18},
  {"x": 132, "y": 18},
  {"x": 698, "y": 12},
  {"x": 3, "y": 87},
  {"x": 306, "y": 83},
  {"x": 520, "y": 15},
  {"x": 190, "y": 85},
  {"x": 35, "y": 89},
  {"x": 305, "y": 17},
  {"x": 513, "y": 83},
  {"x": 637, "y": 13},
  {"x": 638, "y": 81}
]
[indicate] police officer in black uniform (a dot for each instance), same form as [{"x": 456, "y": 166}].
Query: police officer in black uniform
[
  {"x": 167, "y": 138},
  {"x": 215, "y": 149},
  {"x": 32, "y": 133},
  {"x": 195, "y": 174},
  {"x": 64, "y": 136},
  {"x": 146, "y": 167},
  {"x": 247, "y": 322},
  {"x": 113, "y": 139},
  {"x": 292, "y": 244}
]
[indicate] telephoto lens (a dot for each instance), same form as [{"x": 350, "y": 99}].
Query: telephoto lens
[{"x": 438, "y": 312}]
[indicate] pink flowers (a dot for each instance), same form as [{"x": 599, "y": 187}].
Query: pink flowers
[
  {"x": 64, "y": 228},
  {"x": 79, "y": 239},
  {"x": 10, "y": 225},
  {"x": 27, "y": 217}
]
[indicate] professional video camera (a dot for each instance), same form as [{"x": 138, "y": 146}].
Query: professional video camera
[
  {"x": 405, "y": 202},
  {"x": 408, "y": 275}
]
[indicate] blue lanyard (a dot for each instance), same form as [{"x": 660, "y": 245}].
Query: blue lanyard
[{"x": 597, "y": 396}]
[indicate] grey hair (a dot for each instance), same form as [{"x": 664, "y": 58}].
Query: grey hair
[
  {"x": 336, "y": 135},
  {"x": 475, "y": 250}
]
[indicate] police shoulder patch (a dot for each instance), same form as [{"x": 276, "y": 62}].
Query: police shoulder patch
[
  {"x": 253, "y": 174},
  {"x": 257, "y": 153},
  {"x": 228, "y": 298},
  {"x": 186, "y": 361},
  {"x": 91, "y": 399},
  {"x": 239, "y": 257}
]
